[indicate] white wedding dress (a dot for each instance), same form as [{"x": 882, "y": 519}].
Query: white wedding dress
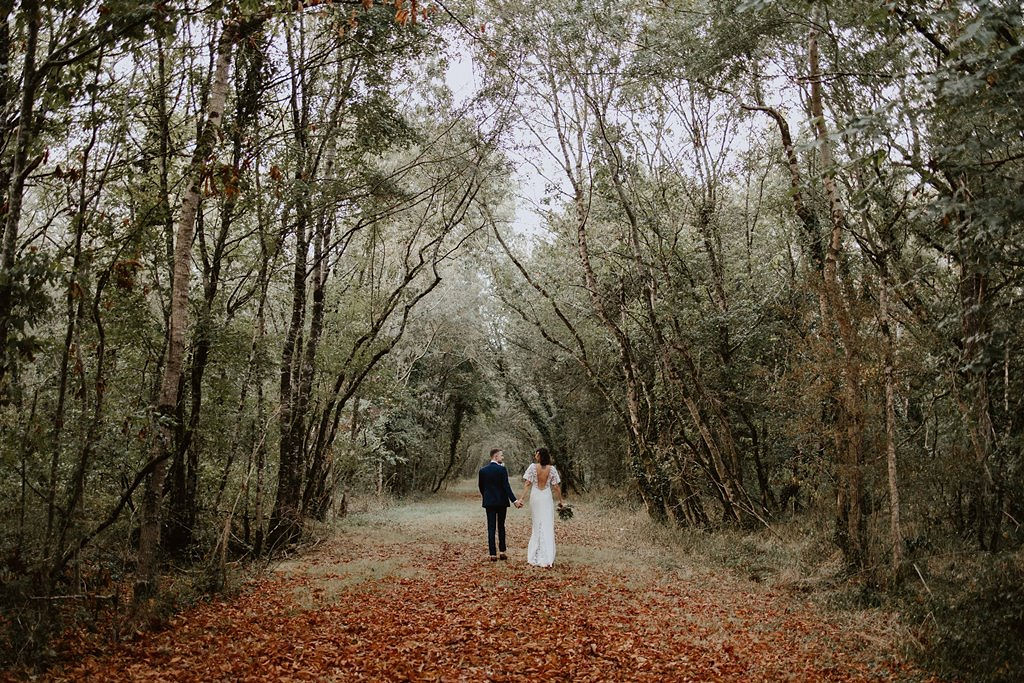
[{"x": 541, "y": 550}]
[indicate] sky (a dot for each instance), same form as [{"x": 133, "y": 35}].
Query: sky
[{"x": 464, "y": 80}]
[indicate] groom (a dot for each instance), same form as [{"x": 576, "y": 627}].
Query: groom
[{"x": 497, "y": 494}]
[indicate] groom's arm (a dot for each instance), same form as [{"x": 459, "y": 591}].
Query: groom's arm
[
  {"x": 480, "y": 481},
  {"x": 508, "y": 490}
]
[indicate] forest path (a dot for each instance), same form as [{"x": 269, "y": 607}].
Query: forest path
[{"x": 407, "y": 594}]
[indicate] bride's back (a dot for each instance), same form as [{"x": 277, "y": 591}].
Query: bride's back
[{"x": 543, "y": 475}]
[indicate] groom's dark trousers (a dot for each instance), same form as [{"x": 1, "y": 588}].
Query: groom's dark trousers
[{"x": 497, "y": 494}]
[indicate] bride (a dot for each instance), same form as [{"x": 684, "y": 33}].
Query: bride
[{"x": 543, "y": 477}]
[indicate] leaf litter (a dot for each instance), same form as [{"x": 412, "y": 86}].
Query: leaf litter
[{"x": 417, "y": 601}]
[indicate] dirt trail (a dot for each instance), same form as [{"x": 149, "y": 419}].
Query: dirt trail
[{"x": 407, "y": 594}]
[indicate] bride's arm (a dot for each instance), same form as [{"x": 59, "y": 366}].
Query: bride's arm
[
  {"x": 556, "y": 485},
  {"x": 526, "y": 482}
]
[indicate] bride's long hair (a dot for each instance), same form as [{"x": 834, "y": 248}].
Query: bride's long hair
[{"x": 545, "y": 457}]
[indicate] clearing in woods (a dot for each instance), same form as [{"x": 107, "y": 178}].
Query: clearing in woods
[{"x": 406, "y": 593}]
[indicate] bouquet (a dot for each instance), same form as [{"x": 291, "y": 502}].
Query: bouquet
[{"x": 565, "y": 511}]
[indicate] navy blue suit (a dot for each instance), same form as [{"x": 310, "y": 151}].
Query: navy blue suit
[{"x": 497, "y": 495}]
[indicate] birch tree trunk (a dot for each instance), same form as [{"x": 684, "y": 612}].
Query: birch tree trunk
[
  {"x": 850, "y": 455},
  {"x": 16, "y": 177},
  {"x": 163, "y": 442}
]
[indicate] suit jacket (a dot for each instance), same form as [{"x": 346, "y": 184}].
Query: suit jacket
[{"x": 494, "y": 486}]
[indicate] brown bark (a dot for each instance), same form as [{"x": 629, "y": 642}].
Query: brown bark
[
  {"x": 889, "y": 355},
  {"x": 74, "y": 308},
  {"x": 286, "y": 517},
  {"x": 656, "y": 490},
  {"x": 851, "y": 457},
  {"x": 260, "y": 423},
  {"x": 975, "y": 397},
  {"x": 285, "y": 521},
  {"x": 715, "y": 431},
  {"x": 317, "y": 467},
  {"x": 77, "y": 484},
  {"x": 455, "y": 434}
]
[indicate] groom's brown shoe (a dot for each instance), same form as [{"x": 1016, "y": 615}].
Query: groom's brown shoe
[
  {"x": 492, "y": 558},
  {"x": 503, "y": 556}
]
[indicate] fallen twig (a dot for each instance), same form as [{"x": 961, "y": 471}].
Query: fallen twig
[
  {"x": 81, "y": 596},
  {"x": 921, "y": 576}
]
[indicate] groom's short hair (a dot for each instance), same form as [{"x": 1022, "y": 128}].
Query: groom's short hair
[{"x": 495, "y": 451}]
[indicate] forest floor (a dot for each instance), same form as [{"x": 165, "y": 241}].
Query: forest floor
[{"x": 406, "y": 593}]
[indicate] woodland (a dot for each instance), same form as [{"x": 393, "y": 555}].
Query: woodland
[{"x": 744, "y": 265}]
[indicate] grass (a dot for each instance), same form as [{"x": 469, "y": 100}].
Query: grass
[
  {"x": 608, "y": 531},
  {"x": 958, "y": 613},
  {"x": 970, "y": 608}
]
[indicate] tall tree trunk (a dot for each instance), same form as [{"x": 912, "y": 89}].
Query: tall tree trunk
[
  {"x": 895, "y": 528},
  {"x": 74, "y": 309},
  {"x": 851, "y": 456},
  {"x": 285, "y": 520},
  {"x": 458, "y": 415},
  {"x": 6, "y": 92},
  {"x": 316, "y": 472},
  {"x": 163, "y": 443},
  {"x": 77, "y": 484},
  {"x": 261, "y": 414},
  {"x": 976, "y": 406},
  {"x": 16, "y": 178},
  {"x": 253, "y": 376},
  {"x": 184, "y": 475}
]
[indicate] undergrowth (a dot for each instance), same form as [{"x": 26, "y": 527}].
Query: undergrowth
[
  {"x": 93, "y": 607},
  {"x": 959, "y": 613}
]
